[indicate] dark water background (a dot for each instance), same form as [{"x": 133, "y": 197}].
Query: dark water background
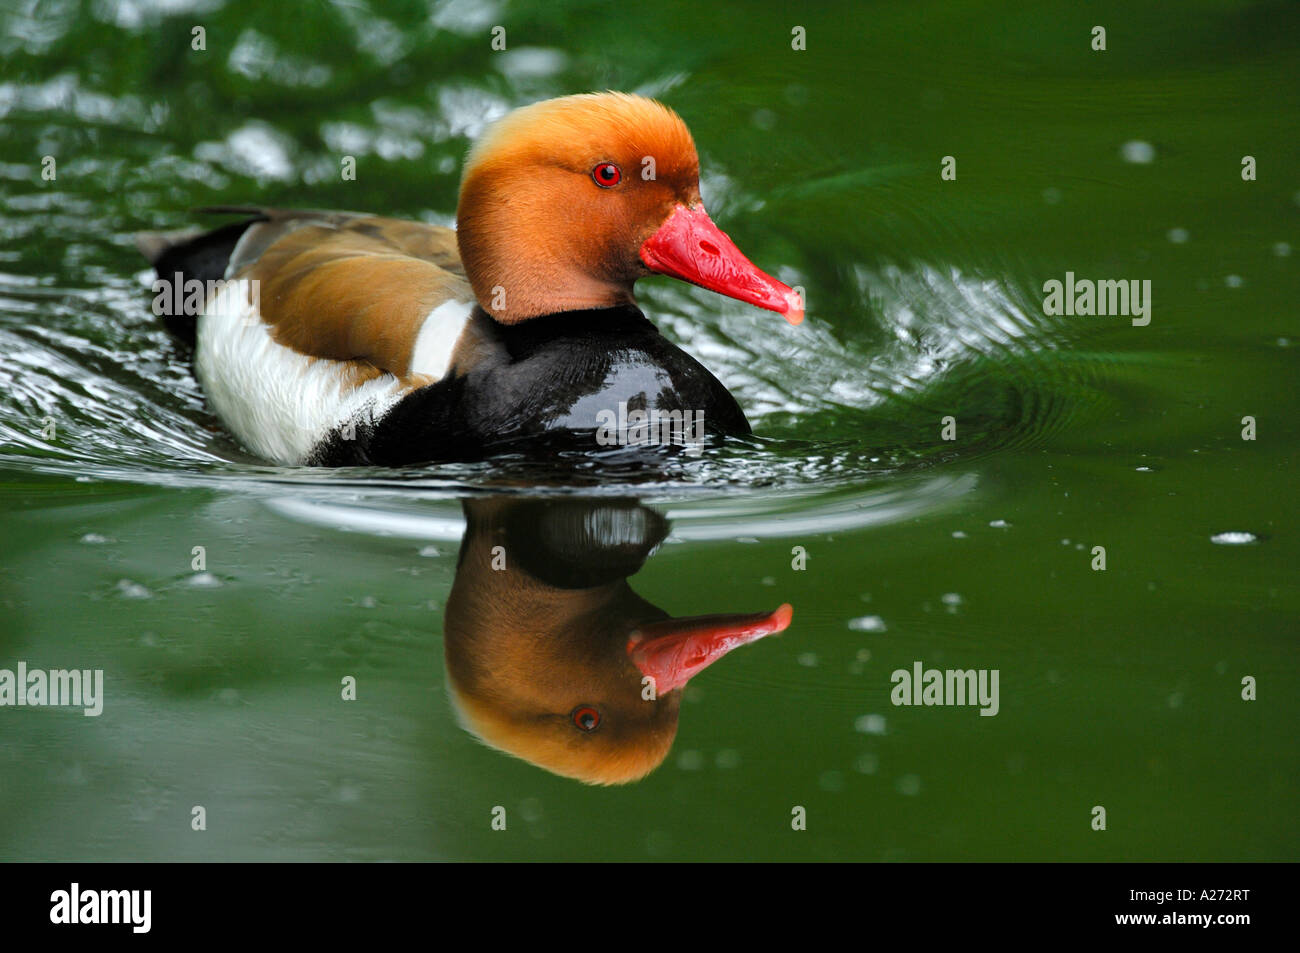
[{"x": 1119, "y": 688}]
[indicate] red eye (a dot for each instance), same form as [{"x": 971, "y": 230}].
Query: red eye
[
  {"x": 606, "y": 175},
  {"x": 586, "y": 718}
]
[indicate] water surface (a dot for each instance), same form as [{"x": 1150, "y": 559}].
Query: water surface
[{"x": 1119, "y": 688}]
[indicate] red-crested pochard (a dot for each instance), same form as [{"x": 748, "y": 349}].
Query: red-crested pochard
[{"x": 333, "y": 338}]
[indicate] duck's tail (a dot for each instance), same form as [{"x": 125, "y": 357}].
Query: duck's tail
[{"x": 194, "y": 253}]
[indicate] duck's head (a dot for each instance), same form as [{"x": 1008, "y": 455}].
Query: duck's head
[
  {"x": 564, "y": 204},
  {"x": 552, "y": 657}
]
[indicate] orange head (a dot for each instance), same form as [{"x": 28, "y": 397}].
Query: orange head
[{"x": 565, "y": 203}]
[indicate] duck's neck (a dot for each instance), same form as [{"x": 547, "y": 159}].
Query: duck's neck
[
  {"x": 515, "y": 283},
  {"x": 617, "y": 323}
]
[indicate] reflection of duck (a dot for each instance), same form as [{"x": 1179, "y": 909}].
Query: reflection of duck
[
  {"x": 362, "y": 339},
  {"x": 552, "y": 657}
]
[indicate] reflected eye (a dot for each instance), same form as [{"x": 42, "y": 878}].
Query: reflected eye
[
  {"x": 586, "y": 718},
  {"x": 606, "y": 175}
]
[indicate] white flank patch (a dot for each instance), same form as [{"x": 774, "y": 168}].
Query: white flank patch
[
  {"x": 279, "y": 403},
  {"x": 437, "y": 338}
]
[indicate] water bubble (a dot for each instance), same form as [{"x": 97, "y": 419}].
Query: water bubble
[
  {"x": 658, "y": 843},
  {"x": 727, "y": 758},
  {"x": 1281, "y": 249},
  {"x": 867, "y": 623},
  {"x": 1177, "y": 235},
  {"x": 74, "y": 774},
  {"x": 867, "y": 763},
  {"x": 204, "y": 580},
  {"x": 870, "y": 724},
  {"x": 1051, "y": 195},
  {"x": 999, "y": 524},
  {"x": 429, "y": 551},
  {"x": 133, "y": 590},
  {"x": 1234, "y": 538},
  {"x": 909, "y": 785},
  {"x": 808, "y": 659},
  {"x": 831, "y": 781},
  {"x": 347, "y": 792},
  {"x": 1137, "y": 151},
  {"x": 958, "y": 534},
  {"x": 94, "y": 539},
  {"x": 951, "y": 599},
  {"x": 690, "y": 760},
  {"x": 1234, "y": 281}
]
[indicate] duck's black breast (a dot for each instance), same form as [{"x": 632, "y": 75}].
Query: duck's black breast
[{"x": 554, "y": 380}]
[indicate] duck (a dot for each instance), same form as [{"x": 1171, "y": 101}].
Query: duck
[
  {"x": 553, "y": 658},
  {"x": 326, "y": 338}
]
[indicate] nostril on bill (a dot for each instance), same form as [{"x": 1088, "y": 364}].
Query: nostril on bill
[{"x": 709, "y": 248}]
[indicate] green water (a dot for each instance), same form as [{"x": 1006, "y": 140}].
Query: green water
[{"x": 1120, "y": 688}]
